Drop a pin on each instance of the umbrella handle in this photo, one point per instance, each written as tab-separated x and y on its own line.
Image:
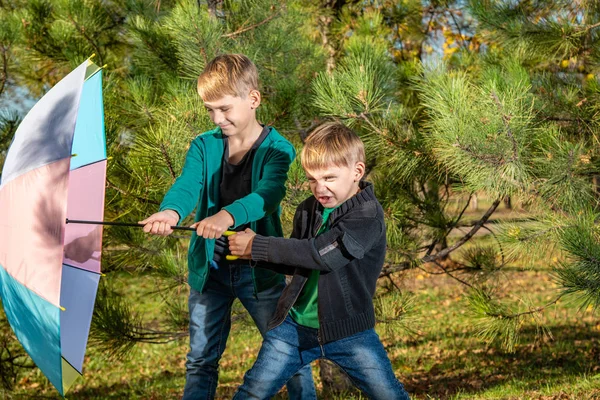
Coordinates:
230	257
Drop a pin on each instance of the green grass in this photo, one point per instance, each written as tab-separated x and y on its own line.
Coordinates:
448	361
444	360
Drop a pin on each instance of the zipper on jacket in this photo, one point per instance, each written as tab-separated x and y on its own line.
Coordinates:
318	224
287	312
320	341
314	234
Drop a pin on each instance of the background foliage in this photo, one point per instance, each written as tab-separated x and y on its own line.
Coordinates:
479	117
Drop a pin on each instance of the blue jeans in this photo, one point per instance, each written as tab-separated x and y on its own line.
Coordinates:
290	347
210	322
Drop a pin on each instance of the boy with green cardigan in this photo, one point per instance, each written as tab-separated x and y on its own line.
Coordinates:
234	176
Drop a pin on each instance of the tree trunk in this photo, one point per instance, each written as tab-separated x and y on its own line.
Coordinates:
334	380
596	181
324	30
474	203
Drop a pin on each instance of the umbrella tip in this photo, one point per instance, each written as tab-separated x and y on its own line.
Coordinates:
62	308
93	55
104	66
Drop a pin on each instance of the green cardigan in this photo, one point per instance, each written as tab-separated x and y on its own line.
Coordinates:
198	187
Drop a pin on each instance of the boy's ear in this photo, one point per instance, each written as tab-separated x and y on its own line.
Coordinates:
359	171
255	98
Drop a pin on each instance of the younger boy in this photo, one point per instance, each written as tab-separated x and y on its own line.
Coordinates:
335	254
234	175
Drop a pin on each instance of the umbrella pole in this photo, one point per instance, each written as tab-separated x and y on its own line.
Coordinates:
78	221
183	228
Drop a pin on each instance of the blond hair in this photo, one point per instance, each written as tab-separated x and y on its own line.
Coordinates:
227	74
330	144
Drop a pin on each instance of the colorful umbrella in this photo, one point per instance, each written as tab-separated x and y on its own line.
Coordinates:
49	271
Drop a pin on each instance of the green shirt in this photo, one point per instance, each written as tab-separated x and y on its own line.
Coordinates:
306	309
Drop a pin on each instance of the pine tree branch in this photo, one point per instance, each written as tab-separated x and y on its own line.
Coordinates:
464	239
590	27
499	244
566	119
391	268
167	159
81	30
571	164
537	234
454	223
364	117
276	117
535	310
146	111
487	158
204	56
506	120
461	267
445	270
498	221
154	49
303	132
388	275
126	194
451	226
253	26
146	335
462	42
431	11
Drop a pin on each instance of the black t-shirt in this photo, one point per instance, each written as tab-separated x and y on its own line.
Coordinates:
236	182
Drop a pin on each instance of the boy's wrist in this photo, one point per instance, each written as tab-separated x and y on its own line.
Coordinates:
260	248
174	213
237	212
227	215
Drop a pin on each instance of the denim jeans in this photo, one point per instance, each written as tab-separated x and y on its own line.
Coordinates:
290	347
210	322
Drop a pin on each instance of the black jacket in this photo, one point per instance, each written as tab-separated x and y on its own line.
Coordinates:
349	256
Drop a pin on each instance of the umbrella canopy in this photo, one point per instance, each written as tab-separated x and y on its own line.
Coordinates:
49	270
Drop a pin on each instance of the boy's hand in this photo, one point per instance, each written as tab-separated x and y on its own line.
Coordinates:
214	226
240	244
161	222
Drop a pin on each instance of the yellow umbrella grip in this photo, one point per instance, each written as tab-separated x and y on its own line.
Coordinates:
230	257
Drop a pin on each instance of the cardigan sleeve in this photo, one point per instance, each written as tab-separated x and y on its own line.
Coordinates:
296	233
183	195
270	189
350	238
